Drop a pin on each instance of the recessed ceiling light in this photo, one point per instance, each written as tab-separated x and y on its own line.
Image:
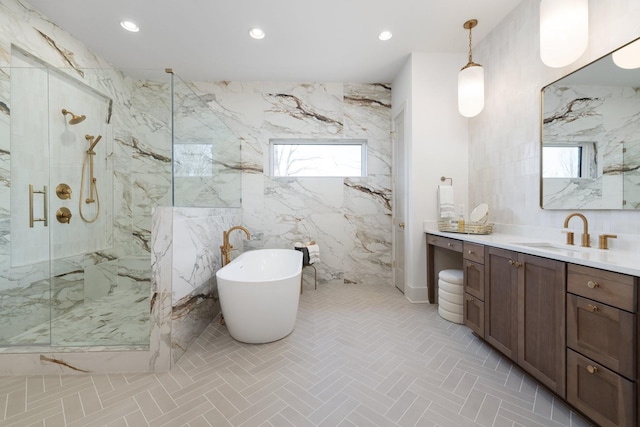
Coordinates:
129	26
385	35
256	33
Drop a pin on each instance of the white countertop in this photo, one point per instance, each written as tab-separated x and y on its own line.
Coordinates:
626	262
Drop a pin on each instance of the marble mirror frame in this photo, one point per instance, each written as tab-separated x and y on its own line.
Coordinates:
605	148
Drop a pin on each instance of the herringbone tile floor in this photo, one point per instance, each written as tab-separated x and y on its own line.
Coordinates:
361	355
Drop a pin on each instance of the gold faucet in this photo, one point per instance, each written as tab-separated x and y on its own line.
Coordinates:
226	246
585	229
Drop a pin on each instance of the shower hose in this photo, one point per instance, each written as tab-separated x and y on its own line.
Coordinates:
91	184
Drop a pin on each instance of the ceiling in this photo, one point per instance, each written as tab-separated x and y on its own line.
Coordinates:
323	41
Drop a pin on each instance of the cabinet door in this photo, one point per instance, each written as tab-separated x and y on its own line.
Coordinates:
474	314
604	396
542	320
500	301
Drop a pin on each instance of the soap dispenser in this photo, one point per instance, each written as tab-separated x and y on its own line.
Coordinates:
461	220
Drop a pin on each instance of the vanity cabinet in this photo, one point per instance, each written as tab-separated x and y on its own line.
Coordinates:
602	362
573	328
542	320
501	301
473	272
525	313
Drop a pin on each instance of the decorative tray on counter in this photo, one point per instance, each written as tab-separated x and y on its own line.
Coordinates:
469	227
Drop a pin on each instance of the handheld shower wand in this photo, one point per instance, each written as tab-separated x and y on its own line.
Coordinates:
93	189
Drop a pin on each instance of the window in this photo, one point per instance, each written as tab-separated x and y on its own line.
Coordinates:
318	157
569	160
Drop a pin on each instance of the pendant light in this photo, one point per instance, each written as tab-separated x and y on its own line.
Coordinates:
470	82
564	31
628	57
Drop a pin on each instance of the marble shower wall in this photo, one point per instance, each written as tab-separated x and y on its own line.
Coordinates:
350	219
185	258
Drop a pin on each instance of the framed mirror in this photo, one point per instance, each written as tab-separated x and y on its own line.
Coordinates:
590	135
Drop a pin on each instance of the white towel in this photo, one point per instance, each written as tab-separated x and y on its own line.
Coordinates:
446	202
314	253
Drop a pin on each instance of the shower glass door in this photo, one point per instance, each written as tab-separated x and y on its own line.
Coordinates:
25	282
67	279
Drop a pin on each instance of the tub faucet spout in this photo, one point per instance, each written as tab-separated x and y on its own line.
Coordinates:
226	246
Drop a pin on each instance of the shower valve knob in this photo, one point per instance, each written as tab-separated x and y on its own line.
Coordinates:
63	215
63	191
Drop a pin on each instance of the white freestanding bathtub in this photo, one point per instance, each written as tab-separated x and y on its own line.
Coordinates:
259	293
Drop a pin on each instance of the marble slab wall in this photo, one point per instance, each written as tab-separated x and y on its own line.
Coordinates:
195	242
349	218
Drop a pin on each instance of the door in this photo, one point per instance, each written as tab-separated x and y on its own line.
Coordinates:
25	279
57	261
399	200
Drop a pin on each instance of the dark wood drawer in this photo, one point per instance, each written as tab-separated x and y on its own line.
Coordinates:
445	242
474	279
614	289
473	252
603	333
474	314
604	396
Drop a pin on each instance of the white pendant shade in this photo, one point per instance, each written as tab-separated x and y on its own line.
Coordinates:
564	31
628	57
471	90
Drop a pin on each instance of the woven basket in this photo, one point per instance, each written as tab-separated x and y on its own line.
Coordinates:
469	227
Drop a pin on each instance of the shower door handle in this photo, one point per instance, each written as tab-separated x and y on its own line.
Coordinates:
45	217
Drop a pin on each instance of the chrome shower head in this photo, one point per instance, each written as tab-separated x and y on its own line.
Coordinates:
74	119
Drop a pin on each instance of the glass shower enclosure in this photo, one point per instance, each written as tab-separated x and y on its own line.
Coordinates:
84	159
85	156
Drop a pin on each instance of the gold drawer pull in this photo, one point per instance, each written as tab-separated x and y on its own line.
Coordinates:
516	264
469	265
450	244
592	308
592	369
592	285
471	300
470	252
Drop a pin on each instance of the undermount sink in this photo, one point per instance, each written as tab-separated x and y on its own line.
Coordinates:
554	246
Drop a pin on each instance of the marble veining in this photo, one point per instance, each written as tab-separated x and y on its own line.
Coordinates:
348	217
572	116
66	55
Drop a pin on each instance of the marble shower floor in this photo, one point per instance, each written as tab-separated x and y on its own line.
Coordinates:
361	355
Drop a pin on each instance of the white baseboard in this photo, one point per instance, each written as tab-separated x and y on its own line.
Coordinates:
417	295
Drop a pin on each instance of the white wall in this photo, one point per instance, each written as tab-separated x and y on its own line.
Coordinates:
437	138
504	145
